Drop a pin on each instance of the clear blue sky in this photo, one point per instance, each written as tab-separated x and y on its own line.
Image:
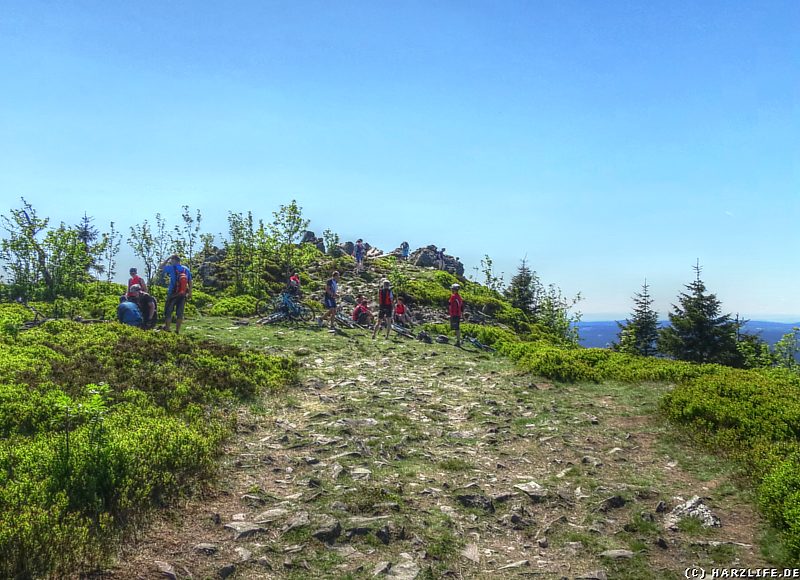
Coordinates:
605	141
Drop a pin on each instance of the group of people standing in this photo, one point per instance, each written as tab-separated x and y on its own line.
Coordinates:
138	308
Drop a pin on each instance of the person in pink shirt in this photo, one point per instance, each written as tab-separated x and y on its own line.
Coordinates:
136	279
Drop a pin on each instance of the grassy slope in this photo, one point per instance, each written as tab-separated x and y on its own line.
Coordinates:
431	423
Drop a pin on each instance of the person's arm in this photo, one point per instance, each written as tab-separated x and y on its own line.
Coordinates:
189	285
142	284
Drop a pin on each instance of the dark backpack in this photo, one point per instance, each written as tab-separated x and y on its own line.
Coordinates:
424	337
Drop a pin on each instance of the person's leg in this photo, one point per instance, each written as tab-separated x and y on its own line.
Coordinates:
458	332
377	324
180	304
388	324
169	305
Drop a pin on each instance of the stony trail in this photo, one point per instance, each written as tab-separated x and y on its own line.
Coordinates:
399	459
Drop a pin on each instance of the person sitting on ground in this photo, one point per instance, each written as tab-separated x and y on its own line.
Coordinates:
293	289
329	301
147	306
404	251
178	292
136	279
456	311
128	312
362	314
385	307
401	313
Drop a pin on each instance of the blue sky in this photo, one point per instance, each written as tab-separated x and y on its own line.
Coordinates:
605	141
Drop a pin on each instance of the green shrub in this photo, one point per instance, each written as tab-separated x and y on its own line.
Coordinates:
236	306
101	422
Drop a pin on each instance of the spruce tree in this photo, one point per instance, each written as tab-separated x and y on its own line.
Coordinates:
639	334
697	331
525	290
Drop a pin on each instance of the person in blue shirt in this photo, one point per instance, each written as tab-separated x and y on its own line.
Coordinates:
129	313
404	251
358	251
329	300
180	290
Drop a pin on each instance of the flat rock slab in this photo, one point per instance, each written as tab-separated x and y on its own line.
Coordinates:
271	516
593	575
207	549
407	570
617	554
533	490
244	529
517	564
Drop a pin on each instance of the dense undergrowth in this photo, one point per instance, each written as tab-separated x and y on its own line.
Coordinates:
101	422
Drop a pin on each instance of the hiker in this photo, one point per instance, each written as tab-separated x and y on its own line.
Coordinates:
179	290
440	259
128	312
331	290
293	289
404	251
136	279
456	311
147	306
401	312
385	307
358	252
362	314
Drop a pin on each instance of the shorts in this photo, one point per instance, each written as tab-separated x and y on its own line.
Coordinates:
385	311
455	322
329	302
177	302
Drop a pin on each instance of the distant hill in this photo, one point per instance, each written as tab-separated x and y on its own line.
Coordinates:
602	333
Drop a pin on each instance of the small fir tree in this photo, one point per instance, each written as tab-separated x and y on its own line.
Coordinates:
698	332
525	290
639	334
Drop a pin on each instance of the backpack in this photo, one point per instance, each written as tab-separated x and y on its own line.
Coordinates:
182	281
385	297
424	337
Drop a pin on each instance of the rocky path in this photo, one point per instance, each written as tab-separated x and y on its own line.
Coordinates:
398	459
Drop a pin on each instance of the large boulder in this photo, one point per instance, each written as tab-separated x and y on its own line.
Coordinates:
426	258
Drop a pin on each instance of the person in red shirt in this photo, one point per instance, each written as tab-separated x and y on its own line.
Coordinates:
294	285
456	311
385	308
135	279
401	313
362	314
